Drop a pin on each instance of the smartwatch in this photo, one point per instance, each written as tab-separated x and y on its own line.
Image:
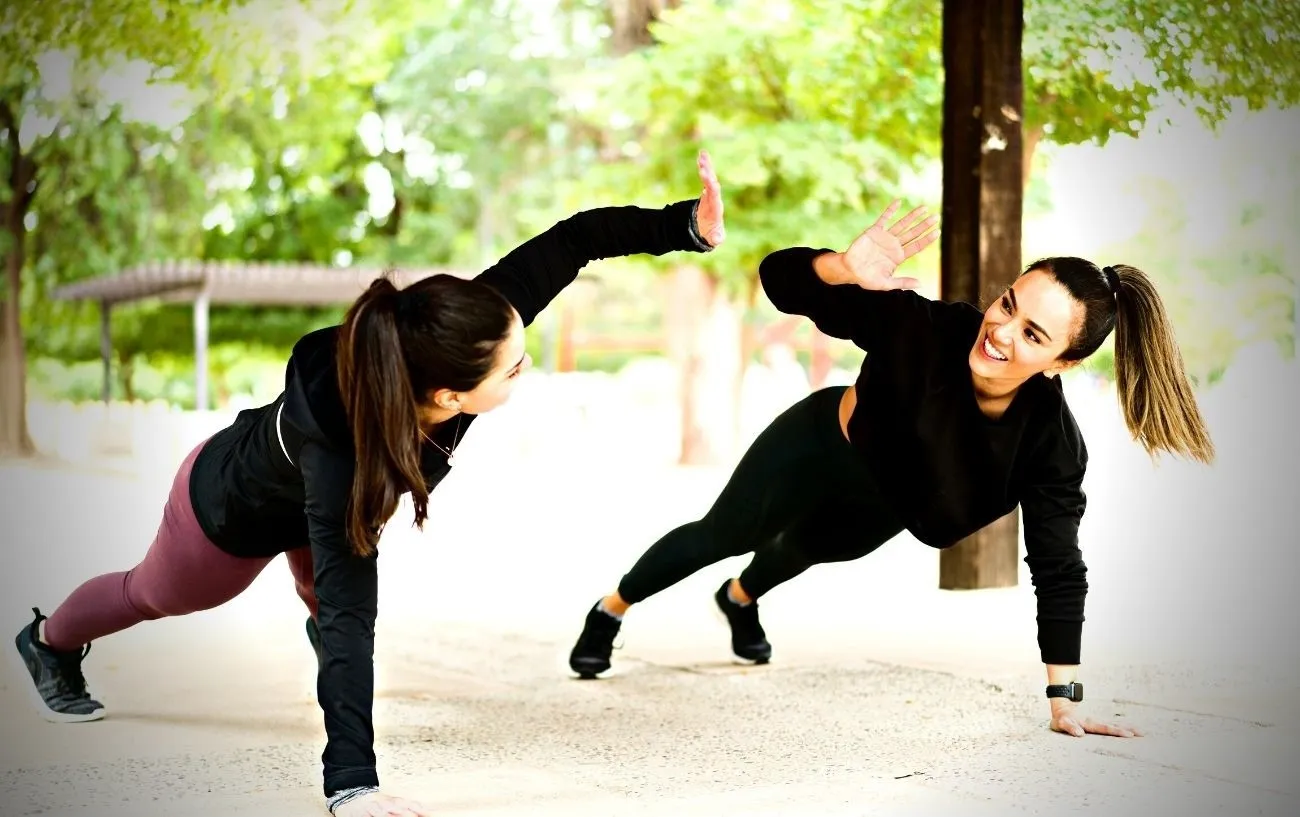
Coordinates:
1072	691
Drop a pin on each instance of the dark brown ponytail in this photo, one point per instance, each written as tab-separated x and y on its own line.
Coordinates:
395	348
381	407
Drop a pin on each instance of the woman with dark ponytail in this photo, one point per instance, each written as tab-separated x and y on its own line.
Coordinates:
372	410
956	418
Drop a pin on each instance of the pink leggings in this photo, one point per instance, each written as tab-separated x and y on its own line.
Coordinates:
182	573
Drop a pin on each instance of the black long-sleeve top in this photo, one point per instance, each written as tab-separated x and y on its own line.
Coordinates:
949	469
279	477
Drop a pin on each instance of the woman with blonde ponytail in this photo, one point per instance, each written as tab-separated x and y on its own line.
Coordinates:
957	417
372	410
1159	406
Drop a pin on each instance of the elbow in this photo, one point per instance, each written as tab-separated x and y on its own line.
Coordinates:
1059	576
774	274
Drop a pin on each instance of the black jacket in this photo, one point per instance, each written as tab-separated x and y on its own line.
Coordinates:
279	477
947	468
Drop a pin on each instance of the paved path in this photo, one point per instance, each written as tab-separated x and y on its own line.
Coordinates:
885	695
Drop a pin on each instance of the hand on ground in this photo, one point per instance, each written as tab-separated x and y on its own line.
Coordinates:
1069	721
378	804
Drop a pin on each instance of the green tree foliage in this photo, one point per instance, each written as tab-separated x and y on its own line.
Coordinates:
267	166
64	66
817	112
476	127
814	113
445	131
1099	68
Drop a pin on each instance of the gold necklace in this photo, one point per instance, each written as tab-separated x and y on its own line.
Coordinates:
451	459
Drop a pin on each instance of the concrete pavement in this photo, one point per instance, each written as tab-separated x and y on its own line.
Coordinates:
885	695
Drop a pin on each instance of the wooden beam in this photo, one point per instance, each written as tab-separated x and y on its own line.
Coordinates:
201	351
983	194
106	347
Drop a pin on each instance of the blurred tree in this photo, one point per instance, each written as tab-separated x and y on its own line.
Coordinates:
64	69
631	22
479	114
472	113
1095	69
818	112
813	112
273	166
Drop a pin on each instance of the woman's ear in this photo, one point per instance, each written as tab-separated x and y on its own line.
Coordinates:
1060	367
447	399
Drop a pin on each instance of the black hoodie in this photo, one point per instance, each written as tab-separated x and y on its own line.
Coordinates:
946	469
279	476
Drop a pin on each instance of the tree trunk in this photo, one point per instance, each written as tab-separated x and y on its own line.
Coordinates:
631	22
984	559
984	159
706	339
126	376
15	439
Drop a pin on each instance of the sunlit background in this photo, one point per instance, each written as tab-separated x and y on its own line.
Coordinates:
440	134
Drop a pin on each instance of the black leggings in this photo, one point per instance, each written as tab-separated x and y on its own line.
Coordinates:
800	496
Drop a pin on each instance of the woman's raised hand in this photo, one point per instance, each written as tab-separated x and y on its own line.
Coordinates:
708	218
873	256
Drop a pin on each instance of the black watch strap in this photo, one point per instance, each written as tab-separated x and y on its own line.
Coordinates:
696	238
1072	691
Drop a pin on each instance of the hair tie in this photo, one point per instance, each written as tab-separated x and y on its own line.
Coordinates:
405	304
1112	279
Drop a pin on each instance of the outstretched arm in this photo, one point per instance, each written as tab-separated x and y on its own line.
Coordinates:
532	274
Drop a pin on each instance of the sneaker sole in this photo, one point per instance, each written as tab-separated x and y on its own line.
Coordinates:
18	665
586	674
721	616
589	674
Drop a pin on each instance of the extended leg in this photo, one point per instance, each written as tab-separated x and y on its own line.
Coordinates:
181	573
774	483
304	581
776	479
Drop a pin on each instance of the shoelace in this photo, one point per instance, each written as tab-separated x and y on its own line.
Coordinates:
70	673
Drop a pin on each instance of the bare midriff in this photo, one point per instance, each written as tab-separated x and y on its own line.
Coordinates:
848	402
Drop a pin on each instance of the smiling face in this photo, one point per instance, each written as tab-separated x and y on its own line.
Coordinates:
1025	331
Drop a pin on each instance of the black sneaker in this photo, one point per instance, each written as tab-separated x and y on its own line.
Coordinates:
748	641
590	656
313	635
58	687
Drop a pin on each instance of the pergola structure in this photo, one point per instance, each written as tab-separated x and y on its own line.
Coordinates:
204	283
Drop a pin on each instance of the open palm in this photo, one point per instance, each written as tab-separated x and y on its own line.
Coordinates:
709	216
875	255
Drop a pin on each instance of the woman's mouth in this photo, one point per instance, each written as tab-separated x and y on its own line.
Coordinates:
992	354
